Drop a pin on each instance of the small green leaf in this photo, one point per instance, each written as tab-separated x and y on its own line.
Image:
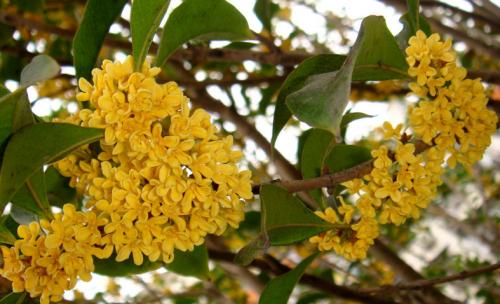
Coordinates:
111	268
316	145
412	22
374	56
210	19
6	236
312	297
22	216
315	65
286	220
58	190
191	263
33	196
350	117
13	298
279	289
41	68
251	250
144	21
342	157
265	10
98	17
380	57
35	145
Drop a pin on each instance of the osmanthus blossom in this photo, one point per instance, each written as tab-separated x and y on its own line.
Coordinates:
451	118
160	180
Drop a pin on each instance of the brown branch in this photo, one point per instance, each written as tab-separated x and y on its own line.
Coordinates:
200	54
270	265
328	180
418	284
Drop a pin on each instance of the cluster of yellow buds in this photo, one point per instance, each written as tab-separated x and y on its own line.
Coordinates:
452	113
161	179
161	176
451	120
51	256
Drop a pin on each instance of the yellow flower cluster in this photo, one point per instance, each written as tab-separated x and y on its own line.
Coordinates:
161	176
161	179
50	257
451	119
452	113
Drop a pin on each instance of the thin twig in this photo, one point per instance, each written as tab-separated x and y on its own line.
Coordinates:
431	282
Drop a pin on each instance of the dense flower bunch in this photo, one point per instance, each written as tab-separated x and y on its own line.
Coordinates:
161	179
50	257
451	121
452	112
161	176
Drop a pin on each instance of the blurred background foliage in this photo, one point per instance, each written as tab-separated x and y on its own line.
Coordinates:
239	82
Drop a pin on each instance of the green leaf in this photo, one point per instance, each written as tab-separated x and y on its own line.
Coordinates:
33	196
279	289
412	22
58	190
251	250
6	236
22	216
265	10
41	68
286	220
380	57
191	263
350	117
98	17
210	19
13	298
315	65
374	56
316	146
35	145
111	268
342	157
312	297
144	21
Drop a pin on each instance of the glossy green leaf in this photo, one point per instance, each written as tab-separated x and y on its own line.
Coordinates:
315	65
6	236
191	263
41	68
58	190
342	157
375	55
412	22
380	57
312	297
144	21
350	117
279	289
36	145
286	220
111	268
98	17
265	10
210	19
316	146
22	216
14	298
33	196
256	247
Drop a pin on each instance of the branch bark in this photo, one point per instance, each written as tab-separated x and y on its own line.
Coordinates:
431	282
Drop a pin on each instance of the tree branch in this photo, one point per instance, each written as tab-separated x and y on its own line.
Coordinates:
431	282
271	265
